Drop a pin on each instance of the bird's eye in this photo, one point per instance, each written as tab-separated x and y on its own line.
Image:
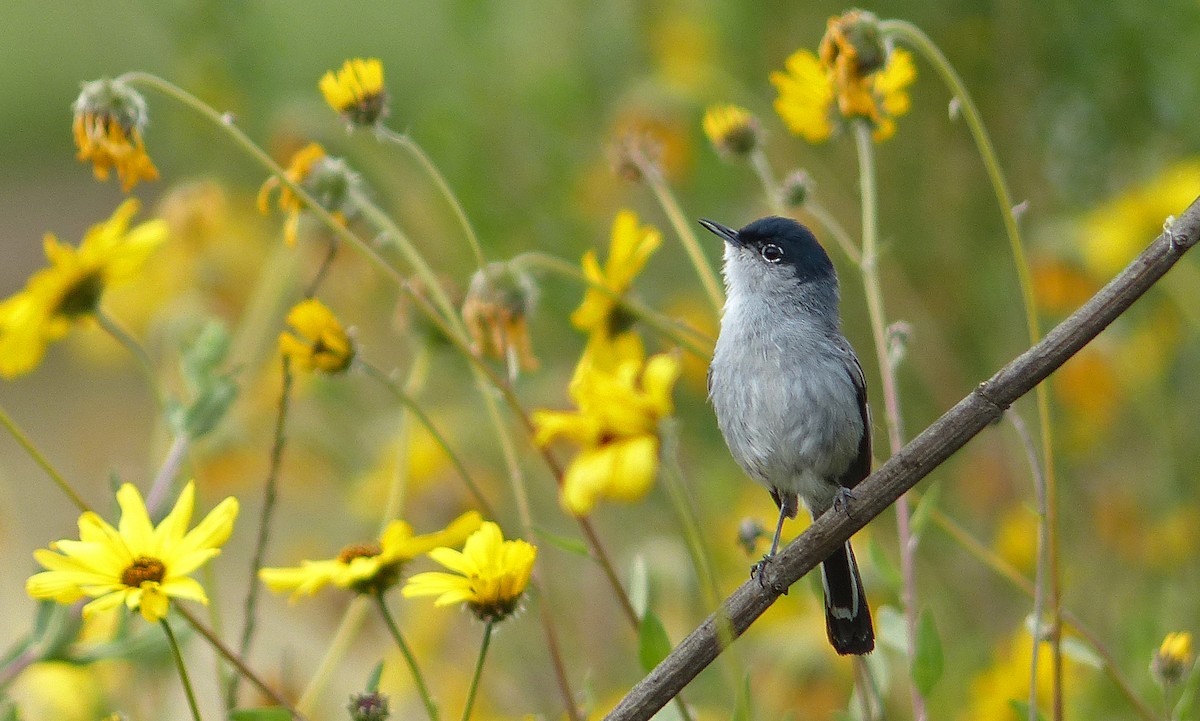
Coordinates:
771	253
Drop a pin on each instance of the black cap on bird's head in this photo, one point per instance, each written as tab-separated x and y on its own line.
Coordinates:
779	241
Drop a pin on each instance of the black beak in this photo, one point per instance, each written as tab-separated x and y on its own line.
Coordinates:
729	235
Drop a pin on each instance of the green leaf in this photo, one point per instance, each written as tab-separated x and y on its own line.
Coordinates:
373	680
927	662
743	708
1076	649
890	629
1021	709
269	713
920	515
653	642
639	586
205	354
884	566
207	410
562	543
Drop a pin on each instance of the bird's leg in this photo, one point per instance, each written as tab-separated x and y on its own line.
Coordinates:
756	571
841	500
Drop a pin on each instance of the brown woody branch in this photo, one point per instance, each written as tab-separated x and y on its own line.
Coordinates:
931	448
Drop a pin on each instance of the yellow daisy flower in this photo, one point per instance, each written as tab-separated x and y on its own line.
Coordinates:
1172	661
356	91
69	290
732	130
621	399
329	180
368	568
136	564
630	247
108	123
317	341
490	574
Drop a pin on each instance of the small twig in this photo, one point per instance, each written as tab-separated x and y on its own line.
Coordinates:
923	454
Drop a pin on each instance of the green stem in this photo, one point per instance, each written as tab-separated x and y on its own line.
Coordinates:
183	674
911	34
762	168
135	349
483	649
836	229
406	142
670	206
891	398
413	407
335	652
690	339
409	658
23	440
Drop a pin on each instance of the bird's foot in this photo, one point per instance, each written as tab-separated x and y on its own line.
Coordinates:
759	571
841	500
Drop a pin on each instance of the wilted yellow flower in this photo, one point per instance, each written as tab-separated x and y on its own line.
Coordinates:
490	574
630	247
317	341
372	567
108	123
496	312
853	68
356	91
732	130
1172	661
329	180
136	564
69	290
621	399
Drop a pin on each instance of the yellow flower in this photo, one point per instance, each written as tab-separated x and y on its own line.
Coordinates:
136	564
490	574
368	568
621	399
496	311
1008	678
108	123
630	248
732	130
317	341
69	290
853	68
356	91
1173	660
329	180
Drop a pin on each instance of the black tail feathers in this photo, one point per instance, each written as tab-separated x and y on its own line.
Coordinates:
847	617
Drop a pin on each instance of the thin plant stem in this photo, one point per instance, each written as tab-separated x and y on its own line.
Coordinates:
135	349
418	374
474	687
423	418
409	658
323	268
39	458
887	372
762	168
179	664
228	654
167	472
267	515
405	141
347	630
693	341
840	235
914	36
658	185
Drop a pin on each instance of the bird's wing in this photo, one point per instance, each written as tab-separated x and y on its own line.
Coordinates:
860	468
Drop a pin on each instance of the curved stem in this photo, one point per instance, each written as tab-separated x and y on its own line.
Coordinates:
887	373
405	141
409	658
914	36
419	413
39	458
762	168
474	687
183	674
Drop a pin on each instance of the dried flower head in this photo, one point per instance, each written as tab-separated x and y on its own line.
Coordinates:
499	302
356	91
634	153
329	180
109	119
370	706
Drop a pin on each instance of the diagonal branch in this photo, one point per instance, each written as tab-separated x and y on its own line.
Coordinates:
931	448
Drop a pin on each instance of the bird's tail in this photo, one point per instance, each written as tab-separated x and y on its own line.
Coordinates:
847	618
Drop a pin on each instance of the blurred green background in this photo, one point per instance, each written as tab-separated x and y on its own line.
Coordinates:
518	103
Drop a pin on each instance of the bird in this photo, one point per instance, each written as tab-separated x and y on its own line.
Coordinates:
790	396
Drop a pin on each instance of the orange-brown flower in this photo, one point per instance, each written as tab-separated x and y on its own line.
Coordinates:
108	124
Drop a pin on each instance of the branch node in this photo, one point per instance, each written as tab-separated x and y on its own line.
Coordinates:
984	391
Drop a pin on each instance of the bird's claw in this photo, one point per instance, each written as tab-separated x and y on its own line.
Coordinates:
758	571
841	500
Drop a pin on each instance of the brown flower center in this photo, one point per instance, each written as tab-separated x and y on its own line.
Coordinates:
82	297
359	550
144	568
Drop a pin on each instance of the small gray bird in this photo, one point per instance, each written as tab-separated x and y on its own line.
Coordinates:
790	395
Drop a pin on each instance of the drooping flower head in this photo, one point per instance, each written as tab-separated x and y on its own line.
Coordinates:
109	119
369	568
69	290
630	247
496	312
329	180
136	564
316	341
621	398
356	91
855	76
490	574
1172	661
732	130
